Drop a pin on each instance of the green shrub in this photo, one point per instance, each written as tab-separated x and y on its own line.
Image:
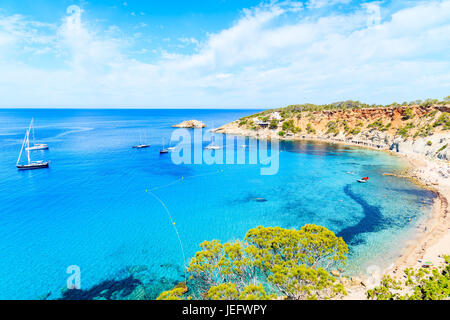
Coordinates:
426	131
333	128
421	284
377	124
289	126
386	127
404	132
444	120
431	114
273	124
310	129
442	149
355	131
269	263
408	114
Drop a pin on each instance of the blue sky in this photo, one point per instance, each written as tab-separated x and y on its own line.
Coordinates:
221	53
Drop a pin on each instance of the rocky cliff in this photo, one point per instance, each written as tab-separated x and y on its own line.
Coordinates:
410	129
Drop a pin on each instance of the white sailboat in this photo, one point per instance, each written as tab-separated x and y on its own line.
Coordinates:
141	145
30	165
213	146
163	150
36	146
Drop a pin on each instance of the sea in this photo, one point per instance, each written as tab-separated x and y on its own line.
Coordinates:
118	219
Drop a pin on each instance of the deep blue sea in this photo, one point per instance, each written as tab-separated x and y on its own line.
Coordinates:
91	208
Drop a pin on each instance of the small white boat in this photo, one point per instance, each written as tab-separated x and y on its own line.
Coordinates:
36	146
30	165
212	147
362	181
142	146
163	150
171	149
34	165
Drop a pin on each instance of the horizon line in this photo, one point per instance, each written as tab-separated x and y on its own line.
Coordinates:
130	108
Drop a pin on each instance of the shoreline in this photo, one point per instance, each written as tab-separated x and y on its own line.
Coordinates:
432	237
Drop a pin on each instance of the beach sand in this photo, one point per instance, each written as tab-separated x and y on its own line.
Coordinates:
434	237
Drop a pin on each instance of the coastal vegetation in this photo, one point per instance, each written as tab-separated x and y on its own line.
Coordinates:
290	117
378	126
273	124
351	104
271	263
421	284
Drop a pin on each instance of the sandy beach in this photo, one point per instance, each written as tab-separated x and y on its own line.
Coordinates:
434	234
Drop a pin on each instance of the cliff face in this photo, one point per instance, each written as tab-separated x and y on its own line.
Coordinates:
413	129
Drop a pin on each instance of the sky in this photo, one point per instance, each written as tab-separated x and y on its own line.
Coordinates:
221	53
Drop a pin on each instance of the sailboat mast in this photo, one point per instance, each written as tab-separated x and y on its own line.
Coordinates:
28	146
32	121
21	150
28	140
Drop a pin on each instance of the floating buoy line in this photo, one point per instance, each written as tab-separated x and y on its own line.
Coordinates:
172	221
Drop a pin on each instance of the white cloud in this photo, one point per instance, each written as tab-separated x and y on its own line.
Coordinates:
15	30
263	60
315	4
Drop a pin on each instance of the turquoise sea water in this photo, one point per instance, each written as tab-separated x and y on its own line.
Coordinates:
91	208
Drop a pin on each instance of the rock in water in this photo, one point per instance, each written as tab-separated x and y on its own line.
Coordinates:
138	294
191	124
137	269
